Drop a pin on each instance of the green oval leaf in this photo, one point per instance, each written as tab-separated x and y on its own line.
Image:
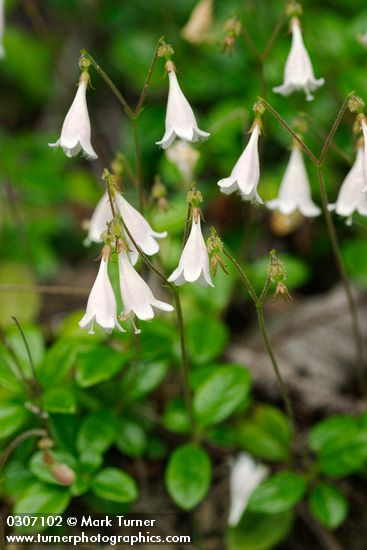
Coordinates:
259	531
206	338
12	417
188	475
328	505
131	438
277	494
97	364
267	434
116	485
221	394
40	498
59	400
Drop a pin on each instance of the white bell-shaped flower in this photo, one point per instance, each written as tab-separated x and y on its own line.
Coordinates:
136	295
196	29
185	157
245	175
98	222
141	231
295	192
180	118
76	132
298	72
101	306
351	197
194	262
2	27
245	476
364	130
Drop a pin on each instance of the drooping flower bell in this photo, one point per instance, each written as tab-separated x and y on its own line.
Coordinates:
136	295
101	306
76	132
196	29
246	172
295	192
141	231
98	222
364	130
298	72
194	262
245	476
180	118
185	157
351	197
2	26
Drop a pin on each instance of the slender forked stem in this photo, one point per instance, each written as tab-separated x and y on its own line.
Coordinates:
148	78
281	120
109	83
185	365
331	229
344	278
17	441
259	304
29	355
334	128
138	166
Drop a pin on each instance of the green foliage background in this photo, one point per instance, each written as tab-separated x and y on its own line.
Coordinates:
101	419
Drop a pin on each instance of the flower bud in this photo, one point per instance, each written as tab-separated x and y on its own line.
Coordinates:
355	104
165	50
276	268
293	8
194	197
84	63
62	473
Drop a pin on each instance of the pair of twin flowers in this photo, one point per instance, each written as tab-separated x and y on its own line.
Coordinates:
124	229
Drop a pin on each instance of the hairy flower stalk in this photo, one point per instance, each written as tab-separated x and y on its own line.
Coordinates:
351	197
136	295
101	306
295	192
76	132
298	72
180	118
246	475
245	175
194	262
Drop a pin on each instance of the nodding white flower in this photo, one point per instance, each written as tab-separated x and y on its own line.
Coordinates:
75	132
2	25
245	476
246	172
98	222
194	262
101	306
180	118
295	192
184	157
196	29
364	130
141	231
363	38
136	295
298	72
351	197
